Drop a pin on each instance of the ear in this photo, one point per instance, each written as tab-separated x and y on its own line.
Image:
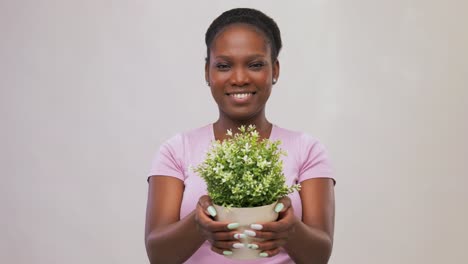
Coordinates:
207	67
276	70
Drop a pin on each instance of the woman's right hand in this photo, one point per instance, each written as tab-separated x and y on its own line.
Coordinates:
223	236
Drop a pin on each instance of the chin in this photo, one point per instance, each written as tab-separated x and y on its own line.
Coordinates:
241	116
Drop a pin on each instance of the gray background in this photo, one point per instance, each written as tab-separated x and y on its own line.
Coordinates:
89	89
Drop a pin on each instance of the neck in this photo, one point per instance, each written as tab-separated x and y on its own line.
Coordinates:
263	126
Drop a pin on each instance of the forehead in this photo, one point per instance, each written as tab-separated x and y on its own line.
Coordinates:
240	39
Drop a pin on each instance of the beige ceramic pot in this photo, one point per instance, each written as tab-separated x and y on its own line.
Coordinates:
245	217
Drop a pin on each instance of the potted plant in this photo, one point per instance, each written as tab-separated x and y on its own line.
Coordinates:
244	178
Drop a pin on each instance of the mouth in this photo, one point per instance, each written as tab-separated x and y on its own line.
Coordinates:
240	95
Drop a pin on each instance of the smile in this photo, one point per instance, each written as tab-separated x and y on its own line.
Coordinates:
241	97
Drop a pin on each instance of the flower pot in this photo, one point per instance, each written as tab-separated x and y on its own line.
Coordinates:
246	216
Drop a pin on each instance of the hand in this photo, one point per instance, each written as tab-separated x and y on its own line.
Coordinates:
275	234
222	235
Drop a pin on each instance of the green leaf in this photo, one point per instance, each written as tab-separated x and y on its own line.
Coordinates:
243	171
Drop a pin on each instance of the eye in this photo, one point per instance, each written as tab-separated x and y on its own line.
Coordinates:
222	66
257	65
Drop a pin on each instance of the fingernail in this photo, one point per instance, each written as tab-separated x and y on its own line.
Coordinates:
238	245
239	236
211	210
279	207
250	233
227	253
233	225
256	226
263	255
252	246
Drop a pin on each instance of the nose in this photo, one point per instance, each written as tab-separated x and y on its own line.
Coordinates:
239	77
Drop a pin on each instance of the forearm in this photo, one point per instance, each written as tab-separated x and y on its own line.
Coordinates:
174	243
309	245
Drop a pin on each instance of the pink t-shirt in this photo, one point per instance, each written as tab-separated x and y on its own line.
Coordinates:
306	158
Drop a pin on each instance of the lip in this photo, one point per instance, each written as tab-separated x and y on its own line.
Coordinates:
241	100
243	92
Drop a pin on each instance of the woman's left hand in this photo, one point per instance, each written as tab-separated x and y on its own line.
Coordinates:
275	234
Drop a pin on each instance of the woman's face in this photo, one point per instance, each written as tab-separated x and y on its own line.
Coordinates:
240	72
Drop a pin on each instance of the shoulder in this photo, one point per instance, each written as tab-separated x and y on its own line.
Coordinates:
184	138
303	146
309	153
295	138
175	152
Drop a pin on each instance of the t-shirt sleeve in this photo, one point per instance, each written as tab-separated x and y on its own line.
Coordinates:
168	159
315	160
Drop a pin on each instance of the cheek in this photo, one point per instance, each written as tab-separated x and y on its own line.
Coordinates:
217	93
213	90
264	78
217	78
265	74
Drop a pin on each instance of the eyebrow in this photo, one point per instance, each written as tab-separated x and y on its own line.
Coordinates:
251	57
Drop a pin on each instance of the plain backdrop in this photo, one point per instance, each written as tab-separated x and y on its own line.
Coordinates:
90	89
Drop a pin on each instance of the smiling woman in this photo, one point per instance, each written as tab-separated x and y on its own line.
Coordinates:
241	67
240	72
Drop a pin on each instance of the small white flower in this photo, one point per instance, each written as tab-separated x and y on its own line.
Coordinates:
247	147
242	157
254	133
262	164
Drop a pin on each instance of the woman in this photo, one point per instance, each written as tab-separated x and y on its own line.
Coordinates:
241	67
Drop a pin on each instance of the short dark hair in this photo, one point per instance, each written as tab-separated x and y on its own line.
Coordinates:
250	17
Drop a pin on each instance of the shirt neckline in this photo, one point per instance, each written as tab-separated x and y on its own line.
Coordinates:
272	133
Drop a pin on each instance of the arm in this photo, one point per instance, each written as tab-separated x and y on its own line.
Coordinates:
309	240
169	239
312	239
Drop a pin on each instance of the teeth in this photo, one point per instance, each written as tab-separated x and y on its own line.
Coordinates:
241	95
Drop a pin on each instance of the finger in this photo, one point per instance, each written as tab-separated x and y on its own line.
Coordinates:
224	245
269	253
228	236
225	252
213	226
221	236
267	235
285	209
285	223
267	244
283	204
224	237
277	226
207	205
